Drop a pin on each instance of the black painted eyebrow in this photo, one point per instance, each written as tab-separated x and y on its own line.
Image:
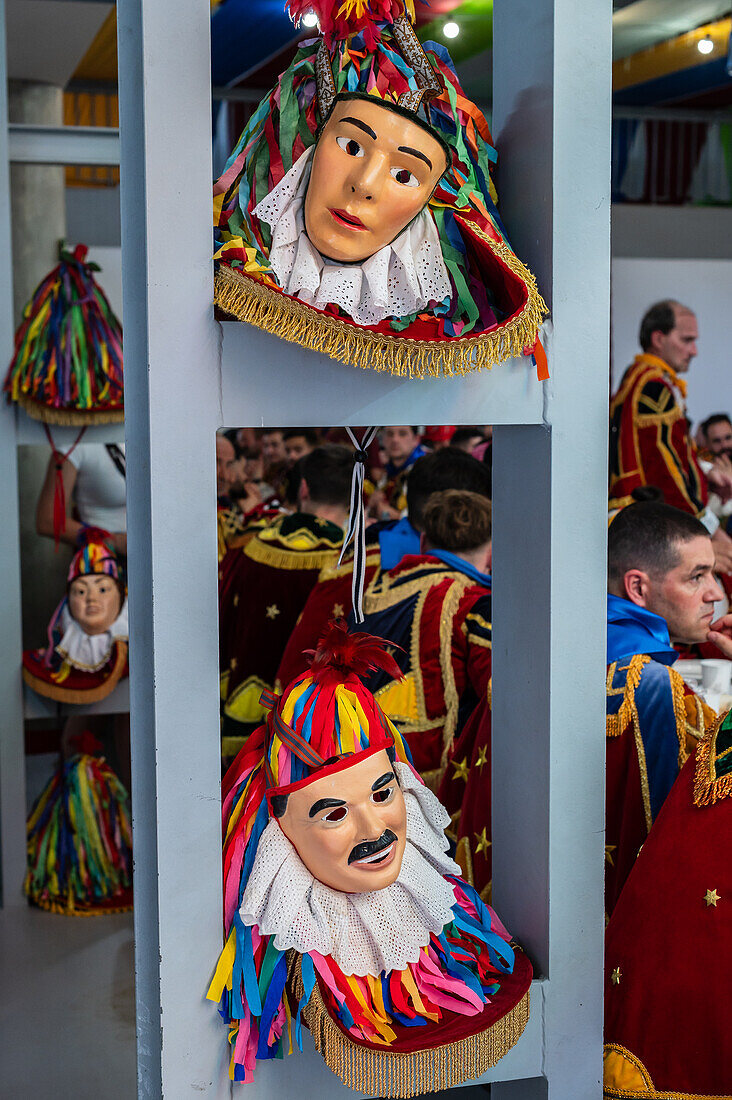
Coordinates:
416	153
325	804
361	125
382	781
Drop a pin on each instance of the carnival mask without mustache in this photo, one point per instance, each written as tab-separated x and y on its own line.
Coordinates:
94	602
373	171
350	827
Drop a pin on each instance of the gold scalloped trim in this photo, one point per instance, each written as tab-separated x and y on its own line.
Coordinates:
708	786
247	300
76	695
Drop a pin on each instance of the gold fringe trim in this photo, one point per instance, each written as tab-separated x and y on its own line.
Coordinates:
708	786
64	909
247	300
91	695
385	1074
616	723
70	418
278	558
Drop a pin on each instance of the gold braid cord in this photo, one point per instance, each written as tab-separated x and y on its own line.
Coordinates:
708	786
381	1073
638	1084
247	300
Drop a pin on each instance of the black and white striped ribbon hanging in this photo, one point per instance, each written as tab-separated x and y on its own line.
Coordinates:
356	532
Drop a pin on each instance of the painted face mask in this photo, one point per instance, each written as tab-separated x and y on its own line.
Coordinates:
343	907
359	197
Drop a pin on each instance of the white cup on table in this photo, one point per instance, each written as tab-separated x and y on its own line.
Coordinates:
716	674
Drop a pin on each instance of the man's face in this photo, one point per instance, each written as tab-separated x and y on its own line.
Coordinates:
719	438
273	448
399	443
295	447
350	827
373	171
94	602
685	596
225	459
677	347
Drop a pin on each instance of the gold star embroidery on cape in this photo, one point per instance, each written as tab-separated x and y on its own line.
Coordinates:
461	769
337	611
712	897
482	757
236	600
609	849
321	522
273	611
233	664
616	976
483	842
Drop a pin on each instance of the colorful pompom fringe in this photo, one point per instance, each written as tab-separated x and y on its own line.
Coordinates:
80	841
67	366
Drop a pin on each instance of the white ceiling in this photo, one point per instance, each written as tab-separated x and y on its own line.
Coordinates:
48	38
636	26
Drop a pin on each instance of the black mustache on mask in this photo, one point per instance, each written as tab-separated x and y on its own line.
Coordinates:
371	847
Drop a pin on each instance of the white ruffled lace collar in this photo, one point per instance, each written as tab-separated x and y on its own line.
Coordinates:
90	652
400	279
364	933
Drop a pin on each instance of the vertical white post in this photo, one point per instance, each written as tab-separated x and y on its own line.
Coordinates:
552	120
12	748
172	411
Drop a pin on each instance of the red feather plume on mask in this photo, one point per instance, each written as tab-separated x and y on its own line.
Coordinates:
341	19
339	652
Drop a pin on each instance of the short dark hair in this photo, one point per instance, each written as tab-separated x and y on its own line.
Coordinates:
463	434
646	536
715	418
457	520
327	471
448	468
661	317
270	431
309	435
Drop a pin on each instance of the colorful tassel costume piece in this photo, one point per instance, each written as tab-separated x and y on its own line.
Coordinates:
67	365
369	51
80	841
443	1018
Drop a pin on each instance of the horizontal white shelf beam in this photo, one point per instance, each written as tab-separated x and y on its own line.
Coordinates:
39	706
267	381
89	145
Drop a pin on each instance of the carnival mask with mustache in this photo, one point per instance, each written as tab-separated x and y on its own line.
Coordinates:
350	826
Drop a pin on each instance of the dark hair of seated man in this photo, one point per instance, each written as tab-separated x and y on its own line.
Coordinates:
646	536
457	521
448	468
327	471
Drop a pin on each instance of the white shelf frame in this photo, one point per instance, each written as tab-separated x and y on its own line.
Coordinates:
186	375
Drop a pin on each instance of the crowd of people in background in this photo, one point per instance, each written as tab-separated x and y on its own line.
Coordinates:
283	508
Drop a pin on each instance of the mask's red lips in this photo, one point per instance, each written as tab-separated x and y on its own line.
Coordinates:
346	219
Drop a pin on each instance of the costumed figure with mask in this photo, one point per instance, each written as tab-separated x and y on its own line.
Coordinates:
669	943
356	215
79	830
343	910
86	655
